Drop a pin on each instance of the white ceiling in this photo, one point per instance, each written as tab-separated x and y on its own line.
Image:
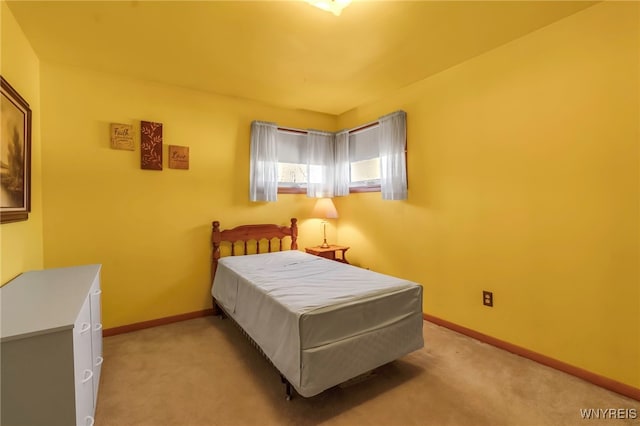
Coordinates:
285	53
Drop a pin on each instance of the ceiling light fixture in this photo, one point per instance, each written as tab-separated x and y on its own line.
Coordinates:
333	6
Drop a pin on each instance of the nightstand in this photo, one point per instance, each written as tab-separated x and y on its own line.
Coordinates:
330	252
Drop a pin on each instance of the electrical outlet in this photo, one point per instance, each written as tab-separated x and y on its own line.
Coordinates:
487	298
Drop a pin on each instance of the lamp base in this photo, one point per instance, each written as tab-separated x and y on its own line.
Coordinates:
324	235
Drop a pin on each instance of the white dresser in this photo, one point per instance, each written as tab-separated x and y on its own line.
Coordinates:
50	347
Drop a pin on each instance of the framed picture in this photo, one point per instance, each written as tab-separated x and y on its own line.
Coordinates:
15	155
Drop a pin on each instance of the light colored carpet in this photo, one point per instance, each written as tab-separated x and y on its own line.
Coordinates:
204	372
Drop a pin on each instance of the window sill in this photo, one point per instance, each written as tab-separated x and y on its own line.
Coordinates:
357	189
285	190
354	190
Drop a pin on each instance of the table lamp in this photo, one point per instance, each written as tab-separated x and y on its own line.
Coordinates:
324	209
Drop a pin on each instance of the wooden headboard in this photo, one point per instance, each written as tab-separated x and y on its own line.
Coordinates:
246	233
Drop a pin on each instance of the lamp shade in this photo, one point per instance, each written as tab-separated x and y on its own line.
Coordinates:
324	209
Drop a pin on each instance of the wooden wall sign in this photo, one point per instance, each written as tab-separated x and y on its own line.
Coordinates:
122	136
150	145
178	157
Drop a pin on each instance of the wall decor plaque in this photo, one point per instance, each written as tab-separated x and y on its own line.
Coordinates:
178	157
122	136
150	145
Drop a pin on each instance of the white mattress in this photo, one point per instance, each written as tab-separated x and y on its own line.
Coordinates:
312	316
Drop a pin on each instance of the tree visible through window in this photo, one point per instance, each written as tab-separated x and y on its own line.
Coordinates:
292	174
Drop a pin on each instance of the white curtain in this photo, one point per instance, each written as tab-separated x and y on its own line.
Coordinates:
393	168
342	178
263	166
320	164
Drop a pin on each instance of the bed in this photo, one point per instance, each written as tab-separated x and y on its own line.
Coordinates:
319	322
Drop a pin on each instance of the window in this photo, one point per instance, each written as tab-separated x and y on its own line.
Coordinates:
370	158
305	158
292	161
364	159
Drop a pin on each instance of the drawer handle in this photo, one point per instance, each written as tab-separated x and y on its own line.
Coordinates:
99	361
89	421
88	376
98	327
97	292
85	327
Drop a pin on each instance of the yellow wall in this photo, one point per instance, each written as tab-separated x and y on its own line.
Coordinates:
150	229
523	180
21	242
523	175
